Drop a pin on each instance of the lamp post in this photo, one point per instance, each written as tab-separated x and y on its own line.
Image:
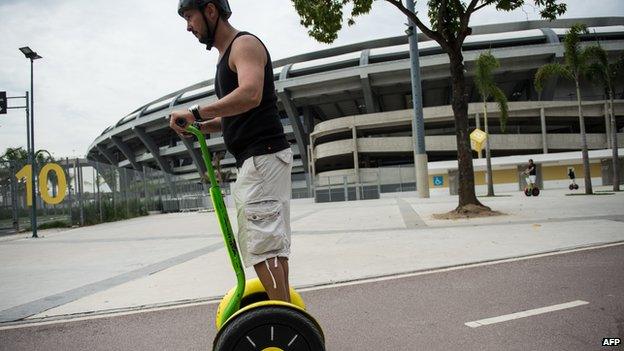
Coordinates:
31	153
418	123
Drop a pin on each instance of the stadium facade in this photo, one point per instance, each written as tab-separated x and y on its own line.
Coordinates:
347	110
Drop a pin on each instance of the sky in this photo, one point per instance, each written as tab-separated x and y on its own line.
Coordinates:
104	59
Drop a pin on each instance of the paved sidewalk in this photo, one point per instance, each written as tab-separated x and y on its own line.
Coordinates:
169	258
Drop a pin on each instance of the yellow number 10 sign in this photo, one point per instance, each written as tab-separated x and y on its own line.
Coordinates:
26	172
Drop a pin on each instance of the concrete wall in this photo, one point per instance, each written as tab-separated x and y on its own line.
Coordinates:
607	170
506	179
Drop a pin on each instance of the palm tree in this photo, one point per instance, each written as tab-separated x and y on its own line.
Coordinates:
574	67
484	80
606	74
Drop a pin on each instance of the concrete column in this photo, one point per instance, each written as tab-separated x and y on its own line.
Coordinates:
544	130
418	122
312	167
356	163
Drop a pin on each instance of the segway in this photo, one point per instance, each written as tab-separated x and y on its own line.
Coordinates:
531	190
246	319
572	176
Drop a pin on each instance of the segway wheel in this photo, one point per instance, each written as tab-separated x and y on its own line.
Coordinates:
270	327
527	192
536	191
575	186
571	187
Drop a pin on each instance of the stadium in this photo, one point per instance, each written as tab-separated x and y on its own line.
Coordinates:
347	112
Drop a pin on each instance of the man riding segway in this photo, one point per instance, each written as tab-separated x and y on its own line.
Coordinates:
247	114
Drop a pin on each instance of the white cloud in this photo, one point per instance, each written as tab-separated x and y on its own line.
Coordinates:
104	59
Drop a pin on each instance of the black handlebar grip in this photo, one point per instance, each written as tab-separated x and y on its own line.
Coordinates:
181	122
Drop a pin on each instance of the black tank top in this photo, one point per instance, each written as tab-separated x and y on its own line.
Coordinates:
259	130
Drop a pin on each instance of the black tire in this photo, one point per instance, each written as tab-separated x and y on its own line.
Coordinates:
571	187
536	191
527	192
575	186
270	326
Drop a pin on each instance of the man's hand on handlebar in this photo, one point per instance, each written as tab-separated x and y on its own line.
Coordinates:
178	120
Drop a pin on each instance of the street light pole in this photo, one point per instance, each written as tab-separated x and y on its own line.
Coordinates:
31	155
32	152
418	124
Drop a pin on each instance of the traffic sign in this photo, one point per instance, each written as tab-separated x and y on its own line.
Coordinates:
438	180
3	103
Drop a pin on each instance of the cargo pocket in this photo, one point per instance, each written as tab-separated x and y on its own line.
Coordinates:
265	227
286	156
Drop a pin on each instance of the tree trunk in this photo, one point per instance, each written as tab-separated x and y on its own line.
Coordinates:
466	188
614	145
586	170
488	160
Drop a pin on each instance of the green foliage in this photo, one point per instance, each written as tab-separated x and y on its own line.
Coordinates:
574	56
549	70
53	224
501	99
325	17
449	18
14	154
484	80
111	212
600	71
445	17
43	156
576	59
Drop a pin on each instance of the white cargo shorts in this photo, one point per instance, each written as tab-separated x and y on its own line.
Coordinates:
262	196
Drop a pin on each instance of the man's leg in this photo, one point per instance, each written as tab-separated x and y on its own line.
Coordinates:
273	273
284	262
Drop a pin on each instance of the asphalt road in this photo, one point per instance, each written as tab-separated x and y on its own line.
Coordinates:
420	312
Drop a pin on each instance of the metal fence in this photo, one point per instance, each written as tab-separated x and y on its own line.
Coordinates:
83	192
371	183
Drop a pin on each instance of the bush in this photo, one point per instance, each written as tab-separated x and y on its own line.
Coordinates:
53	224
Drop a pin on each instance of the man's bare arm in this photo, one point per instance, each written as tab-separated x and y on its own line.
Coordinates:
248	58
212	126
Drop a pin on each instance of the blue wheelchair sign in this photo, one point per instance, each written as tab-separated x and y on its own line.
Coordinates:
438	180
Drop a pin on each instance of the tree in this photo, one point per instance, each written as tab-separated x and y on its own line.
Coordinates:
449	27
14	154
574	68
606	74
13	158
484	80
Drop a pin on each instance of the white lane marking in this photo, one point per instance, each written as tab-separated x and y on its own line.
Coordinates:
293	340
271	333
110	314
527	313
252	343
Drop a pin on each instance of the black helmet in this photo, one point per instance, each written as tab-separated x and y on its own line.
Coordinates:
223	5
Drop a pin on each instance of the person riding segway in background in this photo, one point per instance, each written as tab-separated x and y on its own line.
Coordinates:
531	179
247	114
572	176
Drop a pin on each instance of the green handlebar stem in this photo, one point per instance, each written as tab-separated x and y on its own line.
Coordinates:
224	223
